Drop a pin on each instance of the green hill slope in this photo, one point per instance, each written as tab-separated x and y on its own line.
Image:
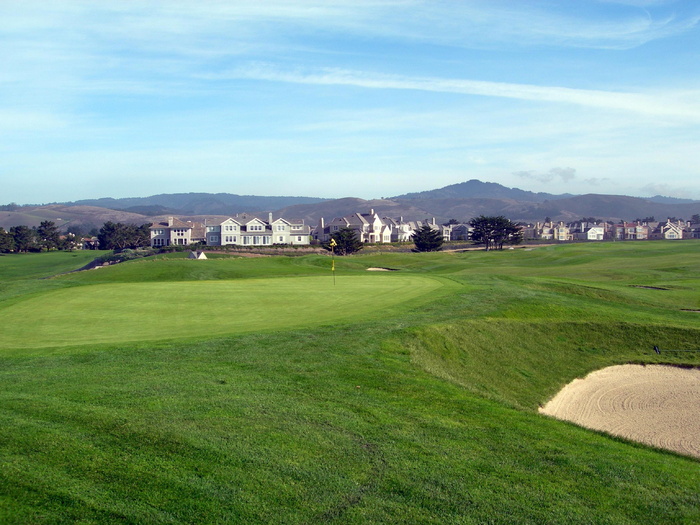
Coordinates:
421	409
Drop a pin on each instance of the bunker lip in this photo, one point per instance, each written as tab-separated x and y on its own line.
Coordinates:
653	404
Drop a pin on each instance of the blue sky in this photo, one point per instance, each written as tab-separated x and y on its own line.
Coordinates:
361	98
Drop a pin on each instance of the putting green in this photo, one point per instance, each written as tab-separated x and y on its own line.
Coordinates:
120	312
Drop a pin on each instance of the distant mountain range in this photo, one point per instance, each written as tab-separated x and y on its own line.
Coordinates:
196	203
458	201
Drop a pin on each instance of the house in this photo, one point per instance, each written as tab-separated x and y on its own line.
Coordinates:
444	229
673	230
641	231
561	232
693	230
544	231
668	230
587	231
90	243
176	232
401	231
369	228
461	232
243	230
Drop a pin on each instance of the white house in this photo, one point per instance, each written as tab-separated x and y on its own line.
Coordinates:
245	230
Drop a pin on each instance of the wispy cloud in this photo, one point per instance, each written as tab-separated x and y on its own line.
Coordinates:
560	174
669	105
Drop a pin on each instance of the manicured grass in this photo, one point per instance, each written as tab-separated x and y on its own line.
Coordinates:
34	265
193	309
419	411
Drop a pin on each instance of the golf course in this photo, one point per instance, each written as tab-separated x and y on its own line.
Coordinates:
272	390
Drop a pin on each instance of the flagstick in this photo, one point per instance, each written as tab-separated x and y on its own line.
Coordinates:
333	263
333	244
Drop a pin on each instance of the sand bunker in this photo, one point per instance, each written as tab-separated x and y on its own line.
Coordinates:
654	404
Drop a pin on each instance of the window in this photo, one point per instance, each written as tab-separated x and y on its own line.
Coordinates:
213	238
299	238
280	238
280	227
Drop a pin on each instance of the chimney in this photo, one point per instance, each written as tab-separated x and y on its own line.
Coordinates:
269	218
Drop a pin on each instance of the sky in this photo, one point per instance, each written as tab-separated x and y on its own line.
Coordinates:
347	98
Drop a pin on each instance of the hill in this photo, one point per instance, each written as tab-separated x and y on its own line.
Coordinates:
199	203
87	217
473	189
458	201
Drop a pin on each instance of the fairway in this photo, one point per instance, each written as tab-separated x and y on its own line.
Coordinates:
123	312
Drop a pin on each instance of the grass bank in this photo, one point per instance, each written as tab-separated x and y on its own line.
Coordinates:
421	411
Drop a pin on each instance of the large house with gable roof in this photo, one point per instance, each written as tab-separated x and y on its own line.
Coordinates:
241	230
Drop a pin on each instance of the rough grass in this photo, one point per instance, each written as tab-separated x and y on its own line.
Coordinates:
422	412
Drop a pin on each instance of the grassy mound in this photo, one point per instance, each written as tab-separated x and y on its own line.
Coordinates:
419	409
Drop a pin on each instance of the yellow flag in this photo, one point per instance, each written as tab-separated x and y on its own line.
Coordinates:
332	244
333	266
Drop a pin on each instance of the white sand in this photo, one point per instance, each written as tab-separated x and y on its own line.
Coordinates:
653	404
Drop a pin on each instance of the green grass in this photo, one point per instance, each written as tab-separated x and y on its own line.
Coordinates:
193	309
416	406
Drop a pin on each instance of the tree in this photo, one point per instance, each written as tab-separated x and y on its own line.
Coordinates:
427	239
69	242
346	242
494	232
7	242
47	235
23	237
695	218
118	236
451	222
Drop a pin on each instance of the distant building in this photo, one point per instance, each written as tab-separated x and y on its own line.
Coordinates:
244	230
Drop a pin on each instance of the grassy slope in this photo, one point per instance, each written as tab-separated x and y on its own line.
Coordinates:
341	425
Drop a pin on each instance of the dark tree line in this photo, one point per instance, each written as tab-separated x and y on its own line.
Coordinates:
25	239
47	237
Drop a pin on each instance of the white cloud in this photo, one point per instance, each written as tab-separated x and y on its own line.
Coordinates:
559	174
667	105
